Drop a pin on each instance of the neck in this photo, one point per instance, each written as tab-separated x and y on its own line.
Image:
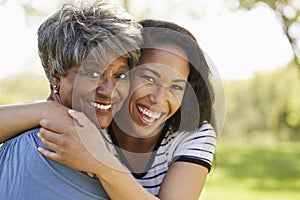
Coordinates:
128	141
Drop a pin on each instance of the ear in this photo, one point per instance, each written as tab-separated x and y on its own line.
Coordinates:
55	87
54	80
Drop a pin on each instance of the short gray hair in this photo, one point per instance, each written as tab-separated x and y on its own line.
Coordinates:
71	33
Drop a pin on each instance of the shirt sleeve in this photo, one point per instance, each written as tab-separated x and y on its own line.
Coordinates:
196	146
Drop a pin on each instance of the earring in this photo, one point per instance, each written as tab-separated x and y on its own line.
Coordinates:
55	89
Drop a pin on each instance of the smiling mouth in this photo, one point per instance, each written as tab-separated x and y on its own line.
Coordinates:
148	115
100	106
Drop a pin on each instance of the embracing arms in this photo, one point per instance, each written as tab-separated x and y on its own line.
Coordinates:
72	146
17	118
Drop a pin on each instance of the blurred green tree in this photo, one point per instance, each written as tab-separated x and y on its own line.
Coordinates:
267	103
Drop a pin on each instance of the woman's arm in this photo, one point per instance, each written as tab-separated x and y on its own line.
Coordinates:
18	118
184	180
83	149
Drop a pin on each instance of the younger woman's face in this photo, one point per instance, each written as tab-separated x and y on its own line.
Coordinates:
157	89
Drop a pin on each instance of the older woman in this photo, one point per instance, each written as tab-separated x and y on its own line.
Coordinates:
86	51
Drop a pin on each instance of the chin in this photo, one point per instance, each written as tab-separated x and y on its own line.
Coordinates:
147	131
103	122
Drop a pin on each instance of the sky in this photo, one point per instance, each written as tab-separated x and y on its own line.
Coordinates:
237	43
242	43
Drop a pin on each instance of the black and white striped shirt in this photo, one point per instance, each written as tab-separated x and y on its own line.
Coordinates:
195	147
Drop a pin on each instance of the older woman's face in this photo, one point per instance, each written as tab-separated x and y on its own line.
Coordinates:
97	91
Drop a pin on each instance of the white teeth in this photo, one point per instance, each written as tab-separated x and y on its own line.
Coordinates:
150	120
152	115
100	106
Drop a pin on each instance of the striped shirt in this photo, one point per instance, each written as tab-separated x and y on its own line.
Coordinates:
195	147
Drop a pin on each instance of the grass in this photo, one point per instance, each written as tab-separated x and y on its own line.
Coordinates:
255	172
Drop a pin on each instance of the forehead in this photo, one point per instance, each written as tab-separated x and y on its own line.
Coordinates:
105	62
168	57
162	52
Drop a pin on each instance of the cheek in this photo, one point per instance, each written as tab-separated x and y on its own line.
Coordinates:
122	90
80	91
66	92
136	82
176	102
134	96
120	95
138	91
140	88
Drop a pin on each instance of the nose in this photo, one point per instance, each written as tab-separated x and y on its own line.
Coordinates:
159	95
105	86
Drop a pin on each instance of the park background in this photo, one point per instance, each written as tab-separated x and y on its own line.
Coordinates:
253	44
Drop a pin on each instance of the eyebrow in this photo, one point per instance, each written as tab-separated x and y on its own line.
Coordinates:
179	80
153	71
157	74
97	66
121	65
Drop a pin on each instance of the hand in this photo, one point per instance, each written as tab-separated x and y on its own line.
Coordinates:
79	146
57	112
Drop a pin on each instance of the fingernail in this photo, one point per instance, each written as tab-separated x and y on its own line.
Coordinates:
42	122
43	140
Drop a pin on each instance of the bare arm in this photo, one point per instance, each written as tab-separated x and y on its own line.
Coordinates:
72	144
182	181
17	118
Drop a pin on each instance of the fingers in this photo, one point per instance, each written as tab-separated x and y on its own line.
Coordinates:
50	139
48	154
53	141
49	135
59	128
81	118
90	174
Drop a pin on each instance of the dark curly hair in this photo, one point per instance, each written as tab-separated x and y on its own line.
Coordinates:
197	104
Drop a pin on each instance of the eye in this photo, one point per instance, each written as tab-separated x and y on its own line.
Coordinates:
148	78
176	87
92	74
121	76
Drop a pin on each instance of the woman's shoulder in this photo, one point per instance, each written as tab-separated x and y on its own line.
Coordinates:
24	136
25	142
196	146
206	128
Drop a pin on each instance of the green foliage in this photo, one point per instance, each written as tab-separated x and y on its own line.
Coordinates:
23	88
293	107
254	172
267	103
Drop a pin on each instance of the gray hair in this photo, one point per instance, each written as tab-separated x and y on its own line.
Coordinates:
71	33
